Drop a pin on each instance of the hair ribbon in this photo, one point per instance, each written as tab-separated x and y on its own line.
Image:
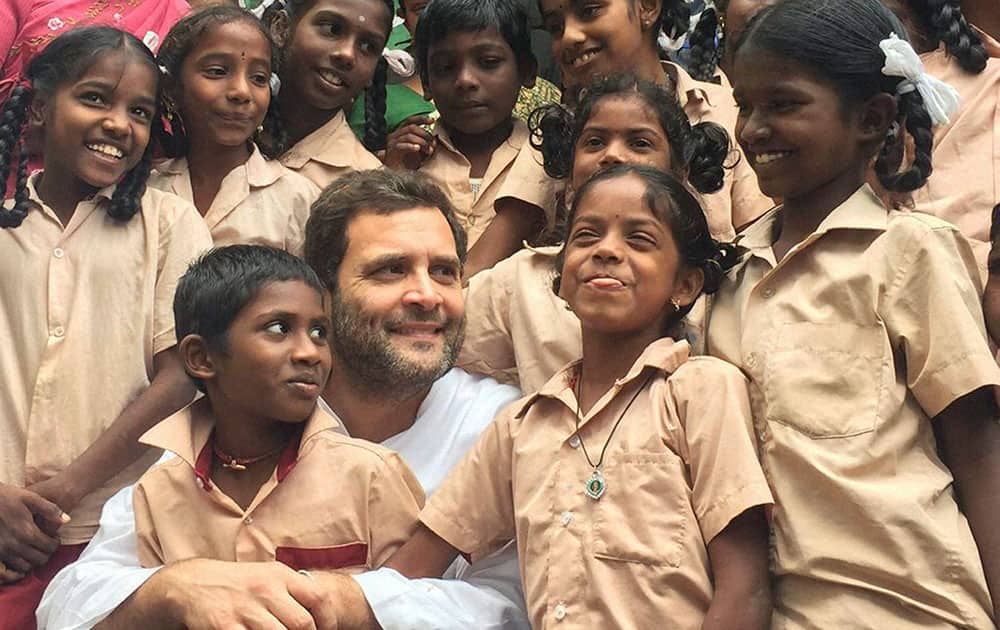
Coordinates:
940	99
400	62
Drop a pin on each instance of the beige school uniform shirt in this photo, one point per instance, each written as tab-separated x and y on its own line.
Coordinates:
514	171
861	335
259	202
85	307
332	502
329	152
965	184
680	466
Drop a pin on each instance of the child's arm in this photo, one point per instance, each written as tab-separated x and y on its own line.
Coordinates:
424	555
969	439
515	221
170	390
742	599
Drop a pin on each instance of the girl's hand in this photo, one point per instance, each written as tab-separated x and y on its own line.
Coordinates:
410	144
25	519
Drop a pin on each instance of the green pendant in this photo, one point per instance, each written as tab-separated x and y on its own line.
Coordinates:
595	485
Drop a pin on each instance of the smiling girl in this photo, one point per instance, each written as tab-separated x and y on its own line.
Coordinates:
630	480
92	259
861	332
331	51
218	69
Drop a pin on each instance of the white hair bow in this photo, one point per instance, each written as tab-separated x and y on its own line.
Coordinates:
940	99
400	62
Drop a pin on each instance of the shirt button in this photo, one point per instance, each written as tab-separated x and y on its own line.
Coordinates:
575	441
768	293
248	520
58	252
58	331
567	517
560	612
751	360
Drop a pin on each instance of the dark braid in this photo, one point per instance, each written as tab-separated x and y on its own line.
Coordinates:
913	114
127	198
944	22
551	129
707	149
375	127
705	48
12	122
273	140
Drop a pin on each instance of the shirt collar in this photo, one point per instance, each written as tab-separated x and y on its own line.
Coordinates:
688	88
331	144
861	211
188	434
518	136
260	171
664	355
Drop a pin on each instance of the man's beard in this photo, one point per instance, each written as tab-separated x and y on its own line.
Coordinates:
373	364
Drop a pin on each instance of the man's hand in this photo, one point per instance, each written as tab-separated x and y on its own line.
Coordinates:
211	594
28	525
344	602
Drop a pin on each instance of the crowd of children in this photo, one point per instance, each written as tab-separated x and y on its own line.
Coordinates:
753	307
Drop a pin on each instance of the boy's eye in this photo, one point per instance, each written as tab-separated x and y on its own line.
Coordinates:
277	328
490	62
318	332
641	143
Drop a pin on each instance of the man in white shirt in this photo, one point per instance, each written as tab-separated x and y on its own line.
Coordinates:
391	250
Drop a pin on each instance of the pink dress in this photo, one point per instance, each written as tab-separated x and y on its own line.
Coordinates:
27	26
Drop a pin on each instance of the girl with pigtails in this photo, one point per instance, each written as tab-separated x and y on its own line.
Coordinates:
217	96
592	38
91	261
861	331
330	51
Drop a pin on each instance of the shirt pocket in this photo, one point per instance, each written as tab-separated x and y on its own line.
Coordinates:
824	380
338	557
643	516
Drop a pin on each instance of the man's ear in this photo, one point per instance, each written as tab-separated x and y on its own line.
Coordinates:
281	27
196	358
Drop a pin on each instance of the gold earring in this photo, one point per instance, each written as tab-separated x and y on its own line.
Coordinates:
675	304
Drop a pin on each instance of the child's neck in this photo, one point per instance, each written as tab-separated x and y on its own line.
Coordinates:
607	358
62	194
208	165
299	118
478	148
801	216
246	438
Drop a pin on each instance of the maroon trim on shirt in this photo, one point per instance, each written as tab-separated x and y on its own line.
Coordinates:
339	557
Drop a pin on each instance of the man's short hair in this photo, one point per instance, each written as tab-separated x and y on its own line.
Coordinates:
381	191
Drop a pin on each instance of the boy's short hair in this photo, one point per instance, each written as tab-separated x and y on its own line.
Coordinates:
217	286
440	18
382	191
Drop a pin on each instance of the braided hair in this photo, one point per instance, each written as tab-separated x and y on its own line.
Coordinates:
943	22
178	44
375	131
65	60
839	41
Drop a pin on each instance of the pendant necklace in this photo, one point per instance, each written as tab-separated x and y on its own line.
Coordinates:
595	485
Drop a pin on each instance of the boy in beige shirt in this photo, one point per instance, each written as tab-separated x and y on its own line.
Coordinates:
262	472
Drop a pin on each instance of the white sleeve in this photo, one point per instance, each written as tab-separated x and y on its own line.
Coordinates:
107	573
486	595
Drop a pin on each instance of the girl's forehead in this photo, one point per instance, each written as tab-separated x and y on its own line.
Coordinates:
235	34
121	69
623	109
